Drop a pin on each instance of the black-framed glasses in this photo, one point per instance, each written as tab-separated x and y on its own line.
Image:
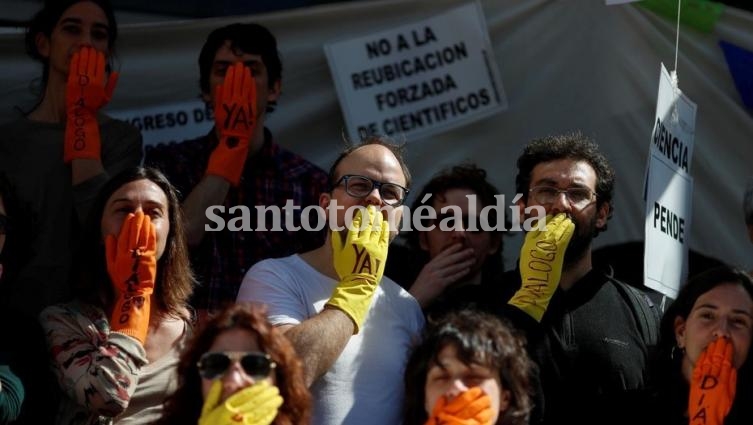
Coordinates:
214	364
578	197
360	187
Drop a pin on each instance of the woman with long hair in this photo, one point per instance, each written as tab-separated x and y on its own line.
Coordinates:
114	349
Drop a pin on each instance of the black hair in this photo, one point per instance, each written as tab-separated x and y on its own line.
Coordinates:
44	22
573	146
479	338
244	38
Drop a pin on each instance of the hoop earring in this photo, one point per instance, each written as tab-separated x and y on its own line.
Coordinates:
676	348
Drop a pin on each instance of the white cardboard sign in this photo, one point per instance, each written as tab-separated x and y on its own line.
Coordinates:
418	79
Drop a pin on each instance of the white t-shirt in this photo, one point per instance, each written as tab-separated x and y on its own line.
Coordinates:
365	384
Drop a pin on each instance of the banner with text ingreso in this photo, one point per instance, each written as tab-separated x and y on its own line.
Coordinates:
418	79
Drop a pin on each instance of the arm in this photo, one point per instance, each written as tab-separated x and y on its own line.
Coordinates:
211	190
11	395
235	122
97	369
320	340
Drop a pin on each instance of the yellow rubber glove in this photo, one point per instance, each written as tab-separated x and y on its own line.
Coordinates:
713	385
541	265
359	263
472	407
254	405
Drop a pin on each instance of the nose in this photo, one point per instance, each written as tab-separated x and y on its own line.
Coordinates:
235	378
374	197
457	387
560	204
722	329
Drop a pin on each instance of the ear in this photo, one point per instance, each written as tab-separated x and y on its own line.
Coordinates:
324	200
274	91
494	245
680	326
504	401
207	98
750	232
43	44
521	203
602	215
422	242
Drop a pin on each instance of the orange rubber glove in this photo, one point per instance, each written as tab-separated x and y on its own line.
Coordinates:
132	265
235	119
85	94
713	385
472	407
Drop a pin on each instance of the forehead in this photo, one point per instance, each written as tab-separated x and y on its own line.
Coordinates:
457	196
374	161
564	173
730	295
85	11
139	190
236	340
226	53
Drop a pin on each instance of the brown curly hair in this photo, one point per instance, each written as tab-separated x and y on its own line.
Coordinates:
184	406
479	338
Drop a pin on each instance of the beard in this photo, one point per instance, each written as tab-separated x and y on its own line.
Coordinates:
580	243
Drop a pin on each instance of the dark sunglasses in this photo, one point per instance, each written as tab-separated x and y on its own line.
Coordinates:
213	365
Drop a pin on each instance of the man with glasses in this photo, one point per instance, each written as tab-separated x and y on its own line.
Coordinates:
352	326
589	333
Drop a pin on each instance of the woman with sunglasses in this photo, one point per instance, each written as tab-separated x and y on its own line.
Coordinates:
470	369
239	369
115	347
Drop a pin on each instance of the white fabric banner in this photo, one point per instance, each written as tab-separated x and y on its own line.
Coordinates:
566	65
417	80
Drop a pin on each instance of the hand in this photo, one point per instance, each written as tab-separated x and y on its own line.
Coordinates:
446	268
254	405
713	384
132	256
235	119
86	93
472	407
132	266
541	259
359	262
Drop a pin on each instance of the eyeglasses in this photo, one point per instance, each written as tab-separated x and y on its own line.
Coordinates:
579	197
360	187
213	365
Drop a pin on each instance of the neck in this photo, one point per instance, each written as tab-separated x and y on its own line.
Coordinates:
52	107
573	272
321	258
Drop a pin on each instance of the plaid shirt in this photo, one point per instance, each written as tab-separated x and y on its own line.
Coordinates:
270	177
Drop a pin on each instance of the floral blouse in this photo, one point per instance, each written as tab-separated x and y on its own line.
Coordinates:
98	370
